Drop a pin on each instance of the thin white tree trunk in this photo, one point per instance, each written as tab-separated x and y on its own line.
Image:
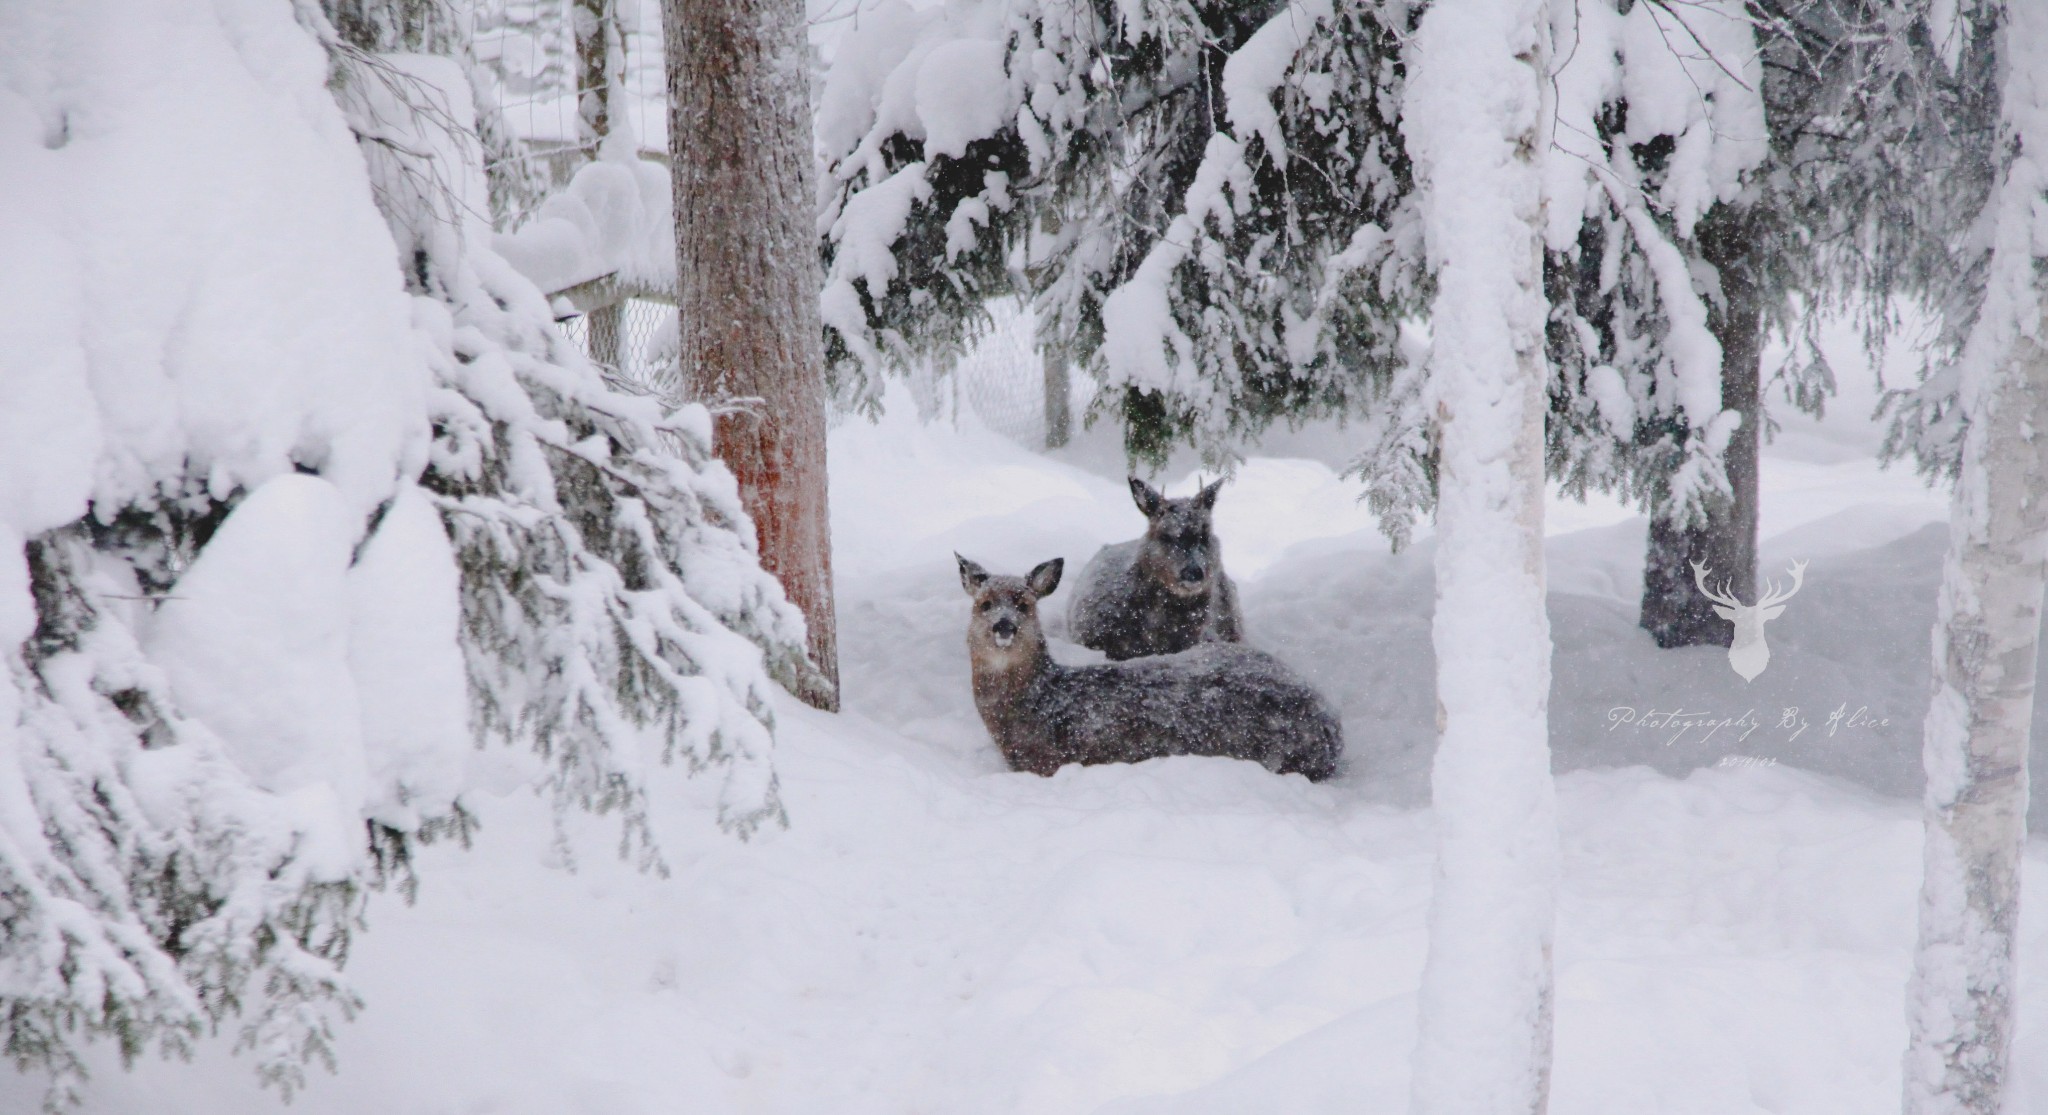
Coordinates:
1477	125
1959	1005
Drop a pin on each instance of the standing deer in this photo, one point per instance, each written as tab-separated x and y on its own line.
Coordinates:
1160	593
1749	654
1217	699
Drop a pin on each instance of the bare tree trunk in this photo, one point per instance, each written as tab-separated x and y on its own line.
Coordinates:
1478	125
1058	389
593	24
604	325
747	283
1674	612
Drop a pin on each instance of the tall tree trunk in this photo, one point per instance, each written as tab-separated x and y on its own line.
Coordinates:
1477	124
1959	1005
1674	612
747	283
1058	419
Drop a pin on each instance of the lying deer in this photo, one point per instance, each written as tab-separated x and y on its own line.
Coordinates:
1217	699
1162	592
1748	653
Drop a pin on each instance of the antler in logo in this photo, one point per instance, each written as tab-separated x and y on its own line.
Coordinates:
1749	654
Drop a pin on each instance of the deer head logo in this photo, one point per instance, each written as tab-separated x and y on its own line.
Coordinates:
1749	654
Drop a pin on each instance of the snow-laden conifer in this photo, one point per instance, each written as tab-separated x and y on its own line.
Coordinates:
1206	203
282	540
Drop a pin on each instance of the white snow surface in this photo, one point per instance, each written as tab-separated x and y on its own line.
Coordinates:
935	933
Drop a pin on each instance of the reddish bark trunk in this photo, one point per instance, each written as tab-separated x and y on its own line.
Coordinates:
748	280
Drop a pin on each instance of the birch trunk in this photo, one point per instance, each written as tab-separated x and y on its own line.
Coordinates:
1477	125
1959	1005
747	283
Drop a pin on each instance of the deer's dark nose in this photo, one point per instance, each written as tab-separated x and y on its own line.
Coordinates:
1005	627
1191	574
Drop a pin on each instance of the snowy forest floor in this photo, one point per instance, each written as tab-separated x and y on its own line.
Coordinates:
934	934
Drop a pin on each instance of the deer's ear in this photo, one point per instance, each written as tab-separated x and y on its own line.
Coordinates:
1725	613
1147	498
1046	577
972	576
1206	498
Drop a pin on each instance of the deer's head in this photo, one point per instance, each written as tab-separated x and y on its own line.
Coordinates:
1748	653
1004	624
1180	551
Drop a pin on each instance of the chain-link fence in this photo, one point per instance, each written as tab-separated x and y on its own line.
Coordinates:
1002	378
635	341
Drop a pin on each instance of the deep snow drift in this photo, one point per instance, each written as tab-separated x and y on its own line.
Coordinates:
936	934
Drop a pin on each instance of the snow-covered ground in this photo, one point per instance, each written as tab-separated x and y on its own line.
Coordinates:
934	934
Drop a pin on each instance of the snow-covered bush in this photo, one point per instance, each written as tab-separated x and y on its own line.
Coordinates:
301	498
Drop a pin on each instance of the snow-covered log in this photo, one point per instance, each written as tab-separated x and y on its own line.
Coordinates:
1477	124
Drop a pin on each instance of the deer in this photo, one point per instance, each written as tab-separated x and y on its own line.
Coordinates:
1223	699
1748	653
1162	592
